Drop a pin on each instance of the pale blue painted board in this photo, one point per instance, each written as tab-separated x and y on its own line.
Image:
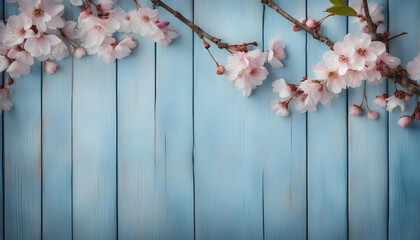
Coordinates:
141	208
368	162
174	124
94	149
57	149
327	144
22	155
285	165
230	141
404	151
1	141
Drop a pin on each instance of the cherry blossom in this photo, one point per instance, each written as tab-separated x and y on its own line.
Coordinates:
393	102
50	67
381	101
5	103
335	81
280	108
284	90
44	13
356	110
375	11
21	65
276	52
413	68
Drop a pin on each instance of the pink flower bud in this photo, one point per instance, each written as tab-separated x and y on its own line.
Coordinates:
10	81
206	45
296	28
405	121
311	23
380	100
50	67
79	52
407	98
303	20
220	70
372	115
162	25
365	30
385	34
356	110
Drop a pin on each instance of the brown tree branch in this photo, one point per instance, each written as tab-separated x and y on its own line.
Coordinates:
371	25
314	33
401	77
200	32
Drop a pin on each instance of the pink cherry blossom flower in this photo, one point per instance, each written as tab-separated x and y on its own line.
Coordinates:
413	68
315	93
76	2
280	108
365	49
168	36
18	28
69	30
79	52
374	9
283	89
394	102
220	70
41	44
21	65
390	61
5	103
50	67
355	78
373	76
335	82
276	52
143	22
111	50
43	13
4	63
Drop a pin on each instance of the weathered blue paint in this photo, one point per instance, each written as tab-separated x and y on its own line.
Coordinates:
368	162
156	146
327	144
404	151
284	182
22	156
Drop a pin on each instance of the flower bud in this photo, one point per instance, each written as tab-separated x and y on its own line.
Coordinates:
10	81
405	121
380	100
372	115
206	45
311	23
79	52
303	20
280	108
385	34
407	98
356	110
220	70
296	28
50	67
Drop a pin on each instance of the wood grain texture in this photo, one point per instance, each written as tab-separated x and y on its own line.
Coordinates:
22	156
368	162
285	165
174	124
94	149
404	151
57	149
230	141
3	75
327	144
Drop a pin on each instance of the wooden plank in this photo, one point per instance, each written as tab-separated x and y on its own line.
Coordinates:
404	151
368	166
285	166
327	144
94	149
230	131
141	208
2	5
22	155
174	125
57	149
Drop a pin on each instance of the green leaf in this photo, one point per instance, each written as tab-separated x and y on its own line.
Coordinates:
338	2
342	10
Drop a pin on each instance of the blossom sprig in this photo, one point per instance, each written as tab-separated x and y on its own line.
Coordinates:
356	60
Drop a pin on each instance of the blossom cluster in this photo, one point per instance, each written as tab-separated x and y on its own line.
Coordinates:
41	33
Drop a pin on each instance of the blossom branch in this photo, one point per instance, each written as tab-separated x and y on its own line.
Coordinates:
371	25
313	32
200	32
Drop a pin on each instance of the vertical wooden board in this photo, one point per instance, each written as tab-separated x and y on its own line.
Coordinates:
57	149
94	149
404	151
3	75
230	142
174	124
22	155
368	161
285	165
141	203
327	143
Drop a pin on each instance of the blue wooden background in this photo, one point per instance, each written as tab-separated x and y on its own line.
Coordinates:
157	146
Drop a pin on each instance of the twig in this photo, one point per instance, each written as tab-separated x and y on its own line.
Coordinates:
200	32
399	35
371	25
314	33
